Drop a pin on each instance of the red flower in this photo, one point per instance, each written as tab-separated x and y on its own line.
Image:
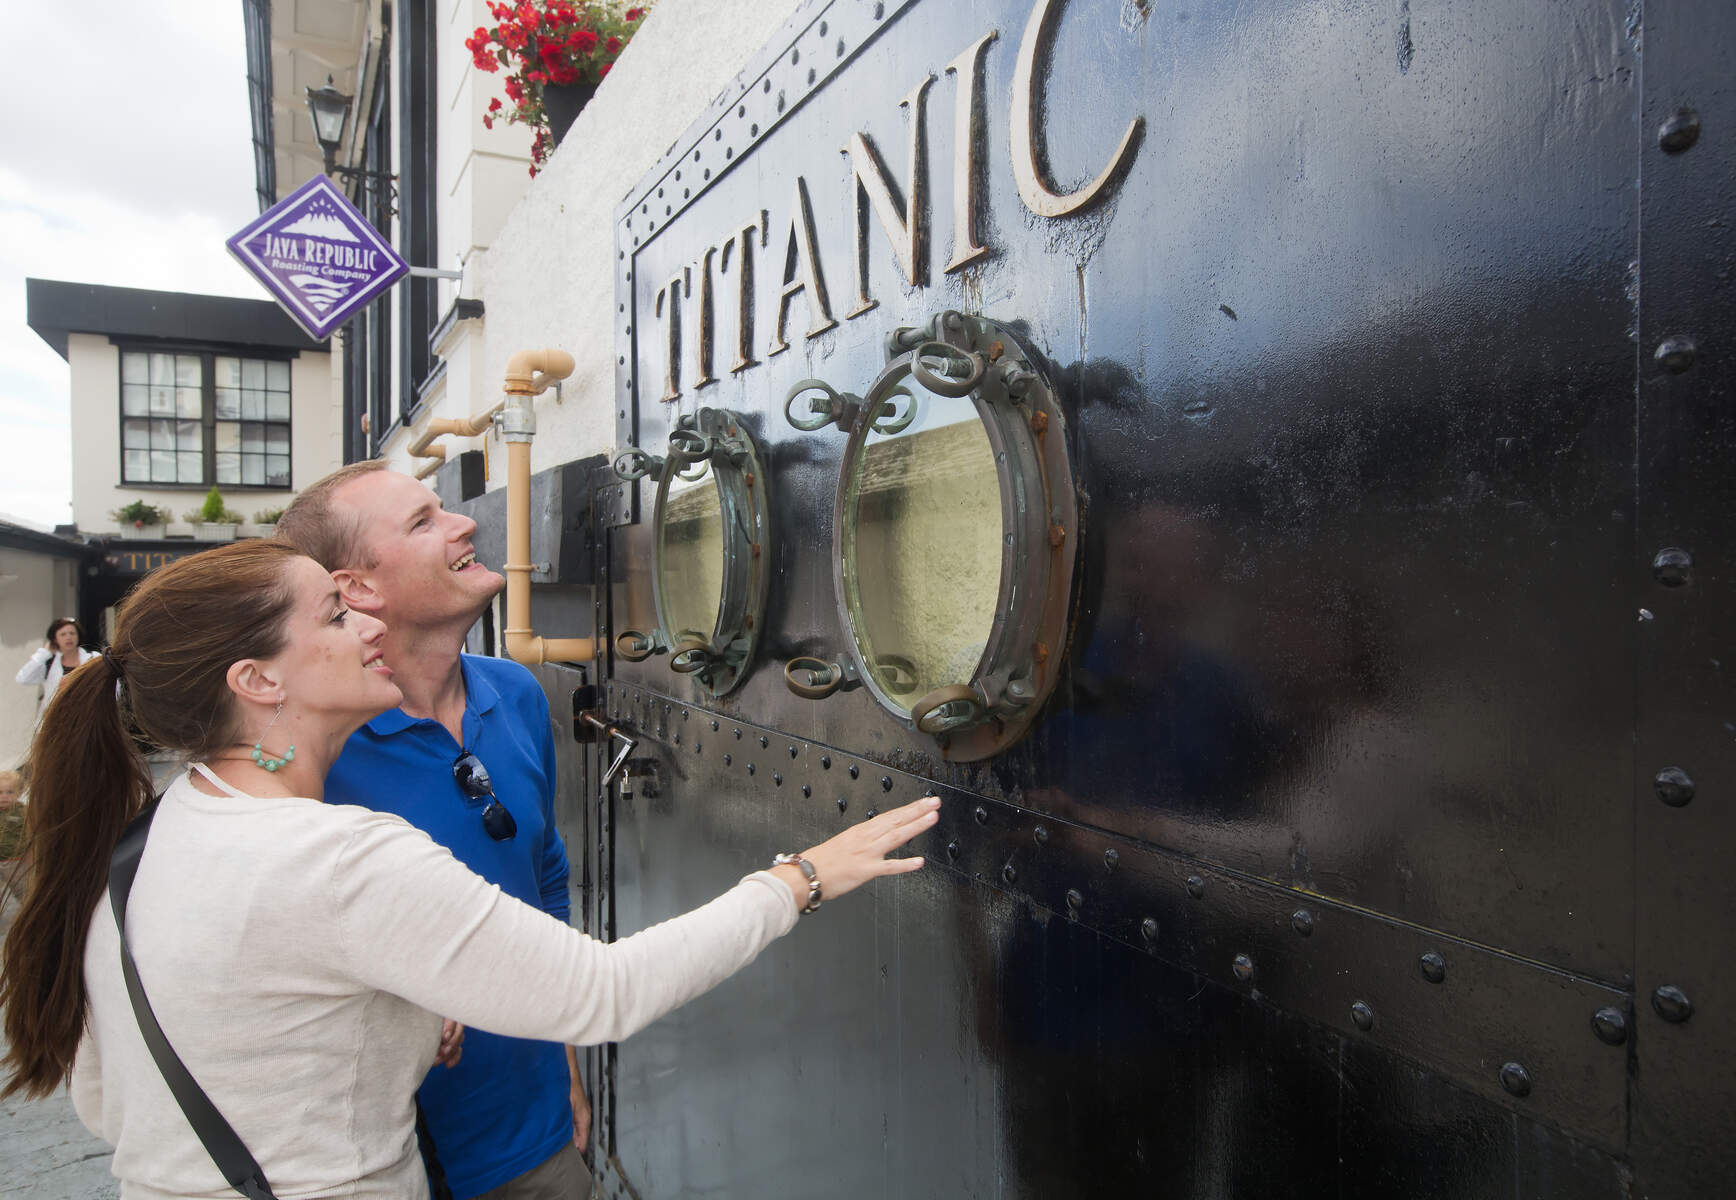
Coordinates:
582	40
613	45
604	70
633	14
561	75
494	105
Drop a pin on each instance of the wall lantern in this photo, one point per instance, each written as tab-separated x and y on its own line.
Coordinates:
329	109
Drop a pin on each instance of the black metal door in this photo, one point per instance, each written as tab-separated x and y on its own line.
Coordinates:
1371	843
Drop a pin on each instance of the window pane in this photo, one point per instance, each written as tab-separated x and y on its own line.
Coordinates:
138	465
135	368
277	406
277	439
228	436
135	398
162	400
252	468
189	402
187	371
192	467
136	435
162	368
252	405
228	468
163	466
252	437
277	470
163	437
252	373
187	435
228	403
228	372
277	376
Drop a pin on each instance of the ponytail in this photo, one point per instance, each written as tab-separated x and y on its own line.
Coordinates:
88	781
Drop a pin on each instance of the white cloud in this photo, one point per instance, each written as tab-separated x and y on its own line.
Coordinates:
130	171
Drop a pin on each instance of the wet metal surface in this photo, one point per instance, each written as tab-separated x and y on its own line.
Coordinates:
1398	685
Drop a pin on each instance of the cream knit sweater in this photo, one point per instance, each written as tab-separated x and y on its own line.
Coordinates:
300	957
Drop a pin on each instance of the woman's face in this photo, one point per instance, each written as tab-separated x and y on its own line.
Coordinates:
333	675
66	638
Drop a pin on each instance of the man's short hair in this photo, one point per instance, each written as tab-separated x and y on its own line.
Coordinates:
329	533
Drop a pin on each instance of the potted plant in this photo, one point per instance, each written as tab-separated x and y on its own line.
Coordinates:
265	521
213	521
554	53
140	520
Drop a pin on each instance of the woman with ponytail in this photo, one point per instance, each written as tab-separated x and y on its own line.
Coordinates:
298	955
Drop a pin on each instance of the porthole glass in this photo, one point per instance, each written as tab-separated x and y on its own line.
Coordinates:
956	526
922	542
709	527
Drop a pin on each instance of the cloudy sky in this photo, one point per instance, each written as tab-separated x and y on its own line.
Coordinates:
125	158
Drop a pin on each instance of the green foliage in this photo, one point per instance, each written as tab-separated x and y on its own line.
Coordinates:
214	511
267	516
140	513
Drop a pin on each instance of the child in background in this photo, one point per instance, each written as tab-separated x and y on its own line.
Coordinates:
11	844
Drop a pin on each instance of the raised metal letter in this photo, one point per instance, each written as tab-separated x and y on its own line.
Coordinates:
672	348
1032	190
801	272
905	231
966	124
742	243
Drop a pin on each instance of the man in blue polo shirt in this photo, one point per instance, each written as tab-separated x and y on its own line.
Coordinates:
470	760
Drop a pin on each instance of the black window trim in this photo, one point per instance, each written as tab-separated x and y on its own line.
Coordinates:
208	353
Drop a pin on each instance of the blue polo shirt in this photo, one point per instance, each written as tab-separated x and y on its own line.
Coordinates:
506	1107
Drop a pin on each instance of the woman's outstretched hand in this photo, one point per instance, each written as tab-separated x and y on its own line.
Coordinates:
857	855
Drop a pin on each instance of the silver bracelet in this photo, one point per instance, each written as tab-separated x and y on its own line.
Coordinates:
807	869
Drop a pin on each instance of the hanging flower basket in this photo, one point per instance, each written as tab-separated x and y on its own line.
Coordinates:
552	54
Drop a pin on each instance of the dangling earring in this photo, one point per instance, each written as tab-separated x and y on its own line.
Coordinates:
261	757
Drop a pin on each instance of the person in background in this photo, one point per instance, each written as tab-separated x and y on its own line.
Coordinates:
11	845
510	1121
63	654
299	954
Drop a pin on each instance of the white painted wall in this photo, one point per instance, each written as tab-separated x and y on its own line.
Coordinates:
316	400
545	269
34	590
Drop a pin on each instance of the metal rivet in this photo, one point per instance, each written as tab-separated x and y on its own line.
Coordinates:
1074	900
1610	1025
727	760
714	727
825	762
1673	567
1434	967
1010	873
778	778
886	783
678	739
1148	929
1196	887
870	814
1516	1079
764	742
738	735
1111	858
750	768
1040	835
981	814
1674	787
1302	921
792	751
855	771
843	803
698	746
1680	131
1362	1016
684	714
1676	354
1671	1004
1243	967
952	851
806	791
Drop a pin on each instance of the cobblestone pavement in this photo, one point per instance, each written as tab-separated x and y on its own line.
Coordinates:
46	1154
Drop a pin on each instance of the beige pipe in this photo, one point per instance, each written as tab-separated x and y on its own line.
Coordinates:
529	373
423	446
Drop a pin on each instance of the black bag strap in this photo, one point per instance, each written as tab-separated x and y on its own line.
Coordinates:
221	1142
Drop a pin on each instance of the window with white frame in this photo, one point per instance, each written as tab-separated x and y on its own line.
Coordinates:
204	418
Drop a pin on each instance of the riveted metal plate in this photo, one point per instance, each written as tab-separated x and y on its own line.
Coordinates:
1489	1010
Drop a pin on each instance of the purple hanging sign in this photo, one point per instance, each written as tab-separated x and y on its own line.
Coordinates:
318	256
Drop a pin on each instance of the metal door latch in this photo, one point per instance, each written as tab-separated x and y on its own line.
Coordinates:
612	733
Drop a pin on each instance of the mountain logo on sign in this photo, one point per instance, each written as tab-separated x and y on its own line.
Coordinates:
319	221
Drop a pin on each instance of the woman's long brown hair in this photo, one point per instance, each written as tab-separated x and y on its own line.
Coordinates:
175	638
